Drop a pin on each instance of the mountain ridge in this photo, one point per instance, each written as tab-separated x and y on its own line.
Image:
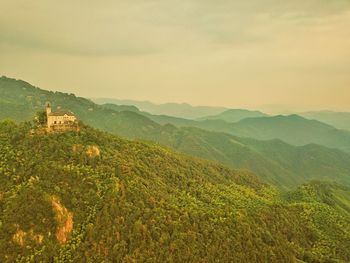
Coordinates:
234	115
340	120
182	110
230	150
133	201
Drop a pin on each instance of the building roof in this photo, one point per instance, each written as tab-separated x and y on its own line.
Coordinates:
61	113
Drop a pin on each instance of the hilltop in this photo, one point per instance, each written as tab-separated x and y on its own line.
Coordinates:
279	163
89	195
21	101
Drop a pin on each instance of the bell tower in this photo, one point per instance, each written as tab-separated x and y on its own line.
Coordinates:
48	108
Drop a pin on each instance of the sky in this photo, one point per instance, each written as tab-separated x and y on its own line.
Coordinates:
293	54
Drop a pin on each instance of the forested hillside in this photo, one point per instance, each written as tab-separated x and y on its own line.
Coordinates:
292	129
90	196
17	95
283	165
277	162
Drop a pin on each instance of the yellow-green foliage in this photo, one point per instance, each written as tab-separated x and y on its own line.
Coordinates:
139	202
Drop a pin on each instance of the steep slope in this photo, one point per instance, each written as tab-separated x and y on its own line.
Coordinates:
309	162
292	129
20	101
340	120
119	108
277	163
334	195
90	196
234	115
160	119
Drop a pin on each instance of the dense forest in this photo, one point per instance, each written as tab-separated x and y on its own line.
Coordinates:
158	131
277	162
89	196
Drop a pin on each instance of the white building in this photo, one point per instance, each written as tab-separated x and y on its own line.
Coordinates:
59	120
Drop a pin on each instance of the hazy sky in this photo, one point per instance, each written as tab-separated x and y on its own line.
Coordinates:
209	52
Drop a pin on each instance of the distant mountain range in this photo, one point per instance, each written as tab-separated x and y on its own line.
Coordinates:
234	115
274	160
181	110
340	120
277	162
292	129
